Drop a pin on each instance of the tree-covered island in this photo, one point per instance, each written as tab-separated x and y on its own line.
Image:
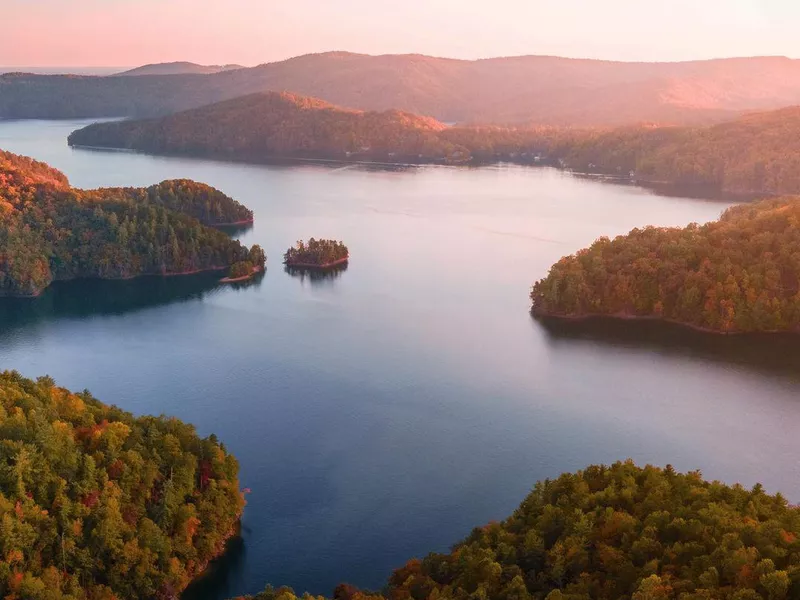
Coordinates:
50	231
316	254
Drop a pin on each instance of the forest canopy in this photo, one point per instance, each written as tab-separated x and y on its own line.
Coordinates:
96	504
616	532
203	202
754	154
50	231
738	274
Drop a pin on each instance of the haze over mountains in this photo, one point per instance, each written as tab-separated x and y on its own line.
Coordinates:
520	90
179	68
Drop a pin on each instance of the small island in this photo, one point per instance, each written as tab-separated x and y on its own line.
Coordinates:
245	270
739	274
316	254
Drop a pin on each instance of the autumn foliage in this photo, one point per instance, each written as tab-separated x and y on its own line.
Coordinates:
50	231
738	274
96	504
613	533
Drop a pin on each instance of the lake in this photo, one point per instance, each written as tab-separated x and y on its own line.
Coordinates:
382	413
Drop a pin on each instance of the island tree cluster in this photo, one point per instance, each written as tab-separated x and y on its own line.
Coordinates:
98	505
738	274
316	253
613	533
50	231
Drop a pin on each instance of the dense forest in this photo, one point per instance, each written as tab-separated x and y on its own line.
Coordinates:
203	202
618	532
245	269
316	253
50	231
98	505
521	90
738	274
755	154
273	125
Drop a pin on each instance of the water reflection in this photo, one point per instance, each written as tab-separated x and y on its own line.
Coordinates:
218	579
317	276
776	354
253	283
90	297
235	231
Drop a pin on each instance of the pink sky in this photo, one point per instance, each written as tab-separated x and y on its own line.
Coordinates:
249	32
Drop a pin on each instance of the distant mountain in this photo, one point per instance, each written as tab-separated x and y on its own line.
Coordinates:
273	125
529	89
178	68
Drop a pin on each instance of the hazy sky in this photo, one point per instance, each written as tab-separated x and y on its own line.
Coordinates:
249	32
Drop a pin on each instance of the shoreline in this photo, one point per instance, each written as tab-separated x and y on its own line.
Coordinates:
659	187
256	271
268	159
235	223
336	263
38	293
202	569
627	317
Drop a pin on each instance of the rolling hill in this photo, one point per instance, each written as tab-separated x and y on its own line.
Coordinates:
178	68
528	89
272	125
755	154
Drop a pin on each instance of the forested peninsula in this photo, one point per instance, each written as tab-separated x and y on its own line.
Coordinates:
50	231
96	504
758	154
272	125
753	155
738	274
612	533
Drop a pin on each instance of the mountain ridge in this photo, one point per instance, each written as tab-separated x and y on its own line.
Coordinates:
540	90
177	68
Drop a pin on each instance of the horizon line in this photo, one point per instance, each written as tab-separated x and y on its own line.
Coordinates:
403	54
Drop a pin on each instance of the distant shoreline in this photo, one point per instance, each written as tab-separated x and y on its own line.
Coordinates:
663	188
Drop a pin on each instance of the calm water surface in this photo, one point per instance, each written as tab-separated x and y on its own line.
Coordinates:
383	413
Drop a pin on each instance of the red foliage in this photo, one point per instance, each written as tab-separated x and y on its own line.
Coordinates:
90	499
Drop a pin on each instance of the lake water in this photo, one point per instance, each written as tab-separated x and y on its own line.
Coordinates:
381	414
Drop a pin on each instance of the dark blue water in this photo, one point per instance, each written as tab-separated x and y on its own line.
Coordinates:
383	413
